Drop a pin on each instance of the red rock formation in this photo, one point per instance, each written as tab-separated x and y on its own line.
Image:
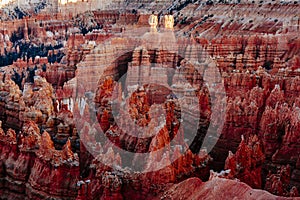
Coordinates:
246	164
11	105
34	168
256	52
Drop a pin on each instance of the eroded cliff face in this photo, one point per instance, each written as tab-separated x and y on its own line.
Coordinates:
31	166
65	117
246	164
250	98
29	162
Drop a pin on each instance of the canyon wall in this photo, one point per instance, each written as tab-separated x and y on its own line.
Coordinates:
63	122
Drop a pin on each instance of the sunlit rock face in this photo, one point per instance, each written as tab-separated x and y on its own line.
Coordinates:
62	99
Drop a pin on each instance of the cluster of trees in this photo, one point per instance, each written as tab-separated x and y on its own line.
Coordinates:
28	75
19	13
56	57
17	35
86	23
28	51
8	58
40	7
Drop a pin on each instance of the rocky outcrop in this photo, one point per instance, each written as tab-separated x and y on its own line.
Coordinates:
12	105
31	166
54	173
216	187
246	163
